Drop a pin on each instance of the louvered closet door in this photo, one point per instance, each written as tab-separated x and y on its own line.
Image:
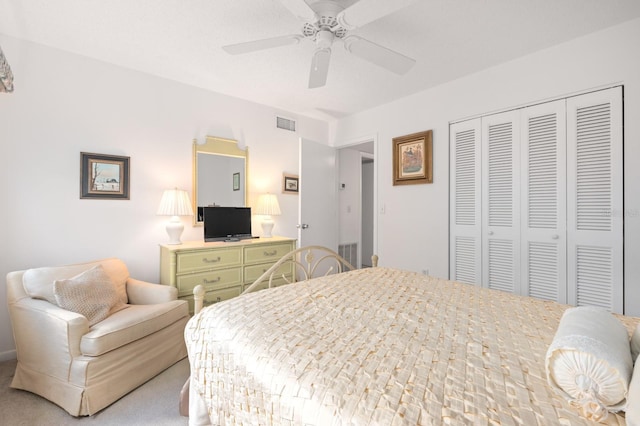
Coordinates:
543	183
465	232
501	201
594	202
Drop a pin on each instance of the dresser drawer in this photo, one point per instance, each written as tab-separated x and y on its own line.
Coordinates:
215	296
266	253
253	272
201	260
210	280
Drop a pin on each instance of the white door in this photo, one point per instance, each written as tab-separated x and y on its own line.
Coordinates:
465	256
318	206
594	202
543	178
501	201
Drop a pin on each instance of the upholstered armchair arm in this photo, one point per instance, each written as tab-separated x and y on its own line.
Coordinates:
47	337
144	293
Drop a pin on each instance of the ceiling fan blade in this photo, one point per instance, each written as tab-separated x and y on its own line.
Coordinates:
268	43
381	56
300	9
365	11
319	68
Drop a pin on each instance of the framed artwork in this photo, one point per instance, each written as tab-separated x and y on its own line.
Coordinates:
236	181
413	159
104	176
289	184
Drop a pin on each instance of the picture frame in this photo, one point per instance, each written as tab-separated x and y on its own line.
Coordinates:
290	184
236	181
104	176
413	158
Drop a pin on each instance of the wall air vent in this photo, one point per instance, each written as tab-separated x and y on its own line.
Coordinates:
350	252
285	124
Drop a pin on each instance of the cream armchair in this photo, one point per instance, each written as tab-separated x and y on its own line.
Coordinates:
85	368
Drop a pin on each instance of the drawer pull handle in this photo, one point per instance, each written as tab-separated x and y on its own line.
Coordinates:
206	260
206	281
270	253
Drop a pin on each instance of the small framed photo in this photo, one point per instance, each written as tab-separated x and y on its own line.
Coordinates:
104	176
413	159
236	181
289	184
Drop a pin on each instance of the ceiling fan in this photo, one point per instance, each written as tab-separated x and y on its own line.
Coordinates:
327	21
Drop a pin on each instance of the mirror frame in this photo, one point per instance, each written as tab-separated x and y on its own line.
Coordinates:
223	147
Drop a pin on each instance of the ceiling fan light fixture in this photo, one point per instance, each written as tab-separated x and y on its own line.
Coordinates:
324	39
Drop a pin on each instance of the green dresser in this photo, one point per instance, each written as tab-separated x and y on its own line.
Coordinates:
224	269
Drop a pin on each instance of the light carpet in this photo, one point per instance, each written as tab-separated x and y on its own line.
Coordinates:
154	403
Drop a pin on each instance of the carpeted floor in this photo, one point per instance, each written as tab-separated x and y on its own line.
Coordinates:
154	403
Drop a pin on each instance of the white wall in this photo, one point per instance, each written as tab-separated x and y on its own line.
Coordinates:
413	231
64	104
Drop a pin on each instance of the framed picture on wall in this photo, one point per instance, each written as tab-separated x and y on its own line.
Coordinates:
104	176
289	184
413	159
236	181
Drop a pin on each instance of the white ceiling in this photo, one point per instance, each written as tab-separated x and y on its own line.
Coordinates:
181	40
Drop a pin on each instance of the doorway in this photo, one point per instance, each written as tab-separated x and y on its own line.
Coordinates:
356	203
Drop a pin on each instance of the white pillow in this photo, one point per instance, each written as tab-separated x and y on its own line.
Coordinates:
633	399
92	294
589	361
635	343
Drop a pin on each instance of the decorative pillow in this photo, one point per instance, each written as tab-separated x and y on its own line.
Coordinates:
633	399
589	361
92	294
635	343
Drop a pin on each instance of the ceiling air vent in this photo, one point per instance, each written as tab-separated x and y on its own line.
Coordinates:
286	124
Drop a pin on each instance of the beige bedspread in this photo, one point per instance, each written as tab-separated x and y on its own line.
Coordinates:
378	346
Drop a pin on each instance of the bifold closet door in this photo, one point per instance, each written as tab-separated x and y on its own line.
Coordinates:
501	201
543	203
537	200
465	224
595	199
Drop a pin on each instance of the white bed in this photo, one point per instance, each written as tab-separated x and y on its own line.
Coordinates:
377	346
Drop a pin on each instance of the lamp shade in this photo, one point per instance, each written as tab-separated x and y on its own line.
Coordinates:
268	205
175	202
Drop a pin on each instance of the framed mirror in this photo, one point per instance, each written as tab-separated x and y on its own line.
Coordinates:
220	175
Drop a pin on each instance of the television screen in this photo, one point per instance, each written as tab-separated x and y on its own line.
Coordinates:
225	223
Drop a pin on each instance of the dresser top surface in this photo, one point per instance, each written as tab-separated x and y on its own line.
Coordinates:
191	245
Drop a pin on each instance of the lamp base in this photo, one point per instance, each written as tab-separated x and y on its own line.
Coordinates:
174	229
267	227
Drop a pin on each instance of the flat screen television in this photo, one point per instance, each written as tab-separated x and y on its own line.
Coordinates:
227	223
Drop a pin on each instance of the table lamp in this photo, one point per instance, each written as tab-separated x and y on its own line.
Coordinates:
175	202
267	206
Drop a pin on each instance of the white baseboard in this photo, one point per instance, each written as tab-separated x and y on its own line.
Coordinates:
8	355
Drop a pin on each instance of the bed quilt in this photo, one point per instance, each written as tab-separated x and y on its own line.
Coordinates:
378	346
